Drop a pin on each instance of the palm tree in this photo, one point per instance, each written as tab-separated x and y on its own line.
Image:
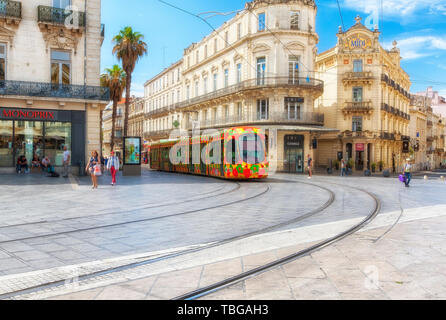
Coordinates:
115	80
129	48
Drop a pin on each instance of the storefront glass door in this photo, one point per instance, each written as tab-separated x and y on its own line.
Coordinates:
6	144
295	160
28	137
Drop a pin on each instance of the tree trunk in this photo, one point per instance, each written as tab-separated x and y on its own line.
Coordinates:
128	84
112	142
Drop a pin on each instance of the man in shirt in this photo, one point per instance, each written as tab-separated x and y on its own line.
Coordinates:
66	161
113	166
408	171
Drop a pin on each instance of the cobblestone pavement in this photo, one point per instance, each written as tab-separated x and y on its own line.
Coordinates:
405	257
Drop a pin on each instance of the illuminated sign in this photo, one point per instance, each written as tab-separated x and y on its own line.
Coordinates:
358	42
26	114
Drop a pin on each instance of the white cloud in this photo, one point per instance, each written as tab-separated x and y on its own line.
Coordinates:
419	46
397	8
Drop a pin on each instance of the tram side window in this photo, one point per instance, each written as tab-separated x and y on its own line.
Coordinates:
252	149
231	152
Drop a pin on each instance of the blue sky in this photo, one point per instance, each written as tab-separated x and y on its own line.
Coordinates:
419	26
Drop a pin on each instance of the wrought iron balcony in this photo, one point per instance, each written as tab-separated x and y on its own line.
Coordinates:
365	77
71	19
358	106
284	118
10	9
245	86
50	90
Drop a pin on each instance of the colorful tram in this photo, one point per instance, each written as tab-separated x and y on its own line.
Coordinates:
236	153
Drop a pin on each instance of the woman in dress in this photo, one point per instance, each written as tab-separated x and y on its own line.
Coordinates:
94	160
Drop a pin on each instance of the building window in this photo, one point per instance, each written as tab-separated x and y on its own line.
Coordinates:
293	66
197	57
357	124
215	45
357	94
294	20
261	70
293	108
226	77
205	85
357	66
196	88
205	51
215	82
262	109
239	73
239	110
226	112
226	39
188	92
239	31
261	25
60	67
61	4
2	61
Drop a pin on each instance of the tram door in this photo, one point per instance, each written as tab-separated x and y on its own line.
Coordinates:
294	154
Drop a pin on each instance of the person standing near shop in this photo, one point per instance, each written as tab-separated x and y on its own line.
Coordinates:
94	168
310	165
113	166
66	161
343	173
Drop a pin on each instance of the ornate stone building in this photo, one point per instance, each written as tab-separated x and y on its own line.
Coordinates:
366	96
49	79
257	69
136	118
107	128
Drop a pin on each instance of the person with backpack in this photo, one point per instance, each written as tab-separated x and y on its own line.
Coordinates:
113	166
407	172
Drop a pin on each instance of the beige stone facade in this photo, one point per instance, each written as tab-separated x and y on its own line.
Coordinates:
255	70
366	96
107	128
136	118
51	61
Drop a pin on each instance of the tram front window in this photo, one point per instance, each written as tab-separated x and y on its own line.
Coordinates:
251	148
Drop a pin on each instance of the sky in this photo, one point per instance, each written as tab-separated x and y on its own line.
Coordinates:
419	27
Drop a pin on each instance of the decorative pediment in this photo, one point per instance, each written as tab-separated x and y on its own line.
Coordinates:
295	45
6	35
61	37
225	63
261	47
237	57
214	69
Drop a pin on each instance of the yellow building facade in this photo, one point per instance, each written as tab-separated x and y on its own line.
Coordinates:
366	96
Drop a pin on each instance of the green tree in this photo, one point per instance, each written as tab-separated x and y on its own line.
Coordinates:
115	79
129	47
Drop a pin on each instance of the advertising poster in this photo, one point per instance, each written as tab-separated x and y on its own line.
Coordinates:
132	151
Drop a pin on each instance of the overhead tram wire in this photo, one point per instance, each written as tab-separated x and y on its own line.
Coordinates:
212	27
340	14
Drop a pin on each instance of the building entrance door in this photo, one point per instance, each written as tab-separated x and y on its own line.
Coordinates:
294	154
359	160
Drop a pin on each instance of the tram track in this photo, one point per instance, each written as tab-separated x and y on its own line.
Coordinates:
133	265
267	189
208	195
196	294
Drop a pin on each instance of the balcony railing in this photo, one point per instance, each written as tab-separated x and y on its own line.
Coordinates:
50	90
387	136
10	9
358	105
247	85
358	76
69	18
308	118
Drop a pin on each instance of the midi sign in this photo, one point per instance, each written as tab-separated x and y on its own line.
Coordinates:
28	114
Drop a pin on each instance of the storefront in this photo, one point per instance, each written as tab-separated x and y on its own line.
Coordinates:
294	153
44	133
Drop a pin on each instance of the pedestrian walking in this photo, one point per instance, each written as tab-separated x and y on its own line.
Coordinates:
408	172
66	161
94	168
343	172
113	166
310	165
